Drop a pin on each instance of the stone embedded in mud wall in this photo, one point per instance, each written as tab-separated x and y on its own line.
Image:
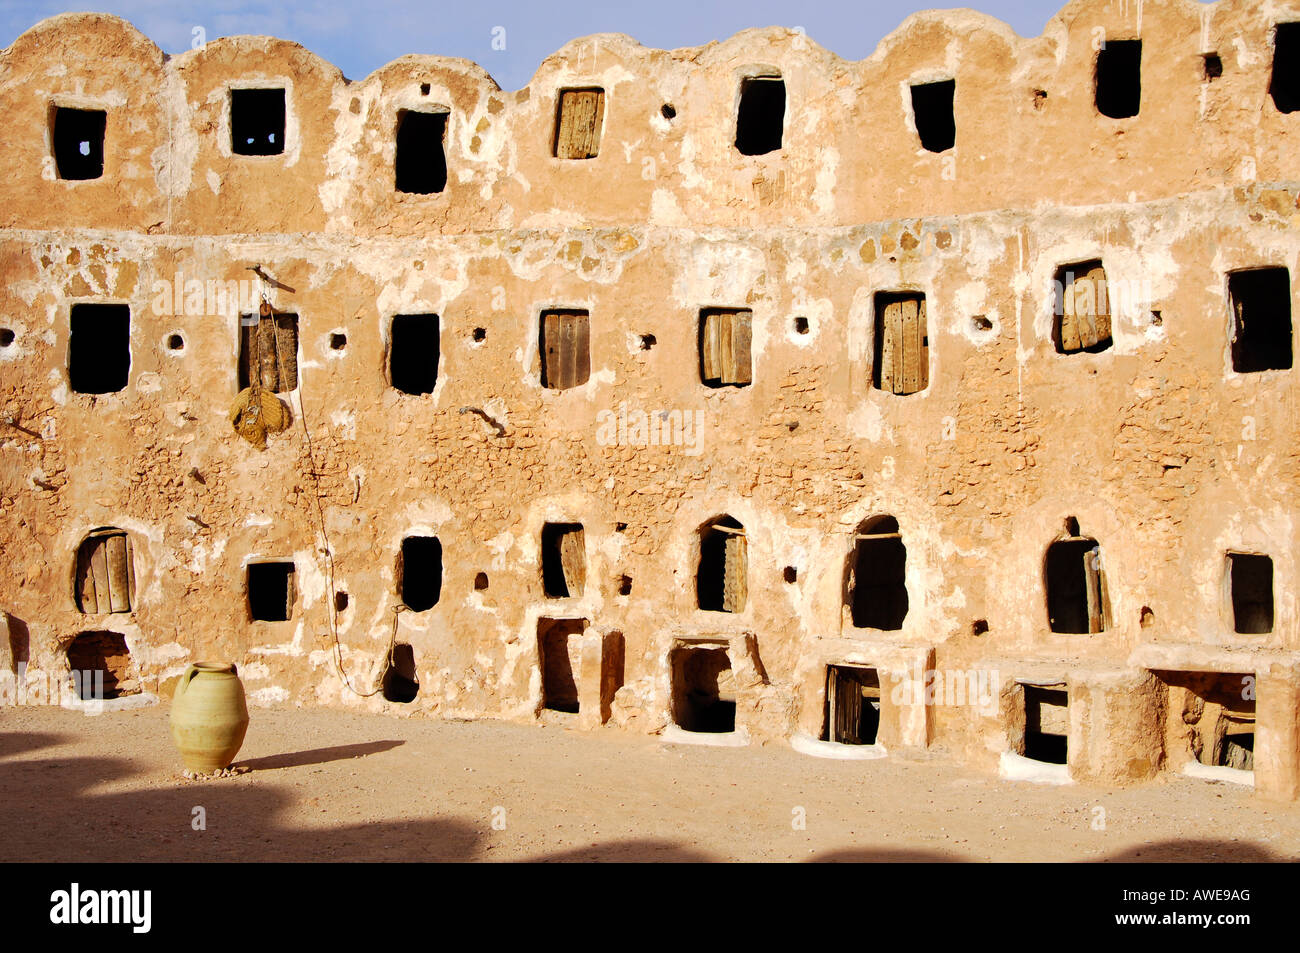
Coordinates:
944	397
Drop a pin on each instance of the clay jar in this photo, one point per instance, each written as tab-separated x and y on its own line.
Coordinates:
209	717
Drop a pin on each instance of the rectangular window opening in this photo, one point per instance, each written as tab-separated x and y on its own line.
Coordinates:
566	349
703	690
1251	579
257	122
1081	309
932	110
1284	84
725	335
78	137
1047	724
1261	314
1118	79
401	681
419	572
421	157
268	348
564	560
271	591
580	115
852	705
901	345
760	119
99	348
559	644
413	353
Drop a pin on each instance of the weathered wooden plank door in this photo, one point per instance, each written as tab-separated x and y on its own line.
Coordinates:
1085	312
1092	582
566	357
573	561
735	582
105	576
581	118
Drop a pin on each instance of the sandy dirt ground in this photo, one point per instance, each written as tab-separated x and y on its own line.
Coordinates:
328	785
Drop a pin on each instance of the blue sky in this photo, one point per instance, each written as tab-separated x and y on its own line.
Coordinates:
360	35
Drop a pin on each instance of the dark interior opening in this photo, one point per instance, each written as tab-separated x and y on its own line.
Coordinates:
100	661
720	581
99	348
480	582
1284	85
257	122
480	334
421	158
79	142
270	591
801	325
1238	751
879	576
1261	310
340	601
175	342
1252	593
1119	78
648	341
558	648
563	560
625	585
6	337
1047	720
338	341
1212	65
703	695
761	117
401	682
790	574
268	350
419	572
1074	586
932	108
413	353
852	705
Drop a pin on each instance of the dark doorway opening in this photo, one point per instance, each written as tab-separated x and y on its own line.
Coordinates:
419	572
852	705
1119	78
878	576
559	647
703	693
270	591
421	160
760	120
1047	724
413	353
932	109
401	682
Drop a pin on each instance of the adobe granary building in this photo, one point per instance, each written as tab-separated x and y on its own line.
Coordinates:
943	399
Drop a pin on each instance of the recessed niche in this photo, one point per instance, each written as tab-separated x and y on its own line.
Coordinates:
419	572
420	163
102	666
1261	314
338	341
559	649
932	110
401	681
1118	78
1250	581
413	353
760	118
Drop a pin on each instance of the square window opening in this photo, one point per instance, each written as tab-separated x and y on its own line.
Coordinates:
414	351
760	119
580	116
560	648
703	690
257	122
1081	309
566	349
78	138
270	591
564	560
725	335
268	351
852	705
1261	315
1251	584
419	572
901	345
933	112
1118	78
421	157
99	348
